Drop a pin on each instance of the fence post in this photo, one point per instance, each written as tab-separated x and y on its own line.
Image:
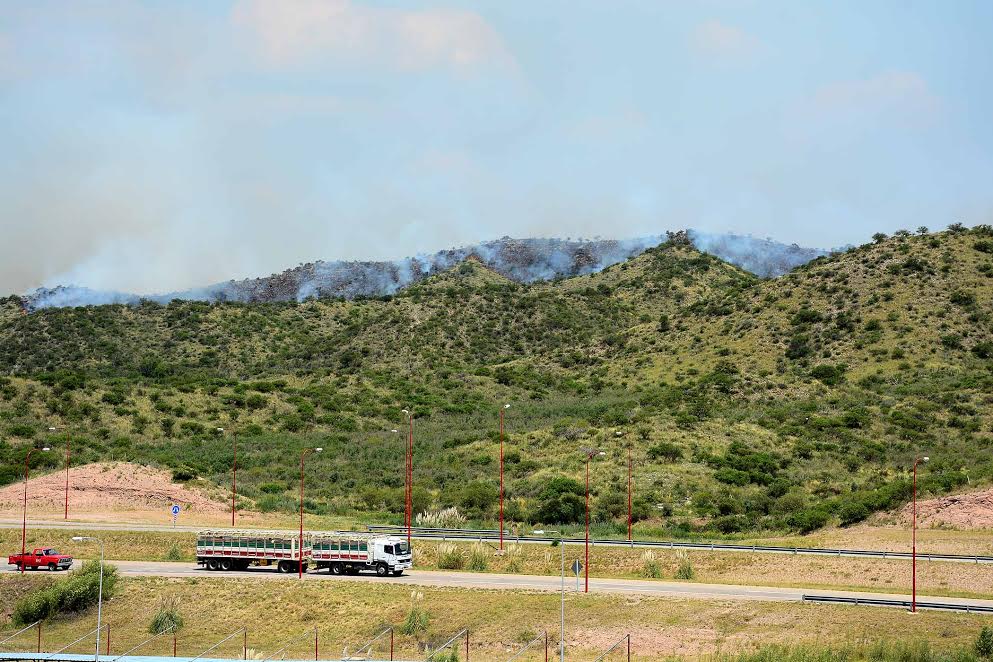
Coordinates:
629	648
391	644
108	638
546	645
174	643
467	645
315	644
39	636
244	645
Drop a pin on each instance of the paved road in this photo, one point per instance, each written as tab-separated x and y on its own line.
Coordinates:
719	547
519	582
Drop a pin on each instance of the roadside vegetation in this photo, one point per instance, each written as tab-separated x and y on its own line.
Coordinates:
750	407
500	622
71	595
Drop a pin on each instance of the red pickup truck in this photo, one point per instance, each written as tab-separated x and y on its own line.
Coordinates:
43	557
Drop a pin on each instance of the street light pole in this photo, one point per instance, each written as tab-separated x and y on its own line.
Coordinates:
24	520
590	454
303	454
96	654
505	407
913	599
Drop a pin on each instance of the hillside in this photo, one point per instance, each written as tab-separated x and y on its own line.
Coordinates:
748	404
519	260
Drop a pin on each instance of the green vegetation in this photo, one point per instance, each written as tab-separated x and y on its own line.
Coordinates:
71	595
748	405
167	618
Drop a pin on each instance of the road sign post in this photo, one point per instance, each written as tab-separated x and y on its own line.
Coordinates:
577	569
174	509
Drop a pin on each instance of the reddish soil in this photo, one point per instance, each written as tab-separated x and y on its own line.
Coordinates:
973	510
109	487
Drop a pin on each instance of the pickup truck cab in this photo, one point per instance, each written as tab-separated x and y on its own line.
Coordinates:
42	557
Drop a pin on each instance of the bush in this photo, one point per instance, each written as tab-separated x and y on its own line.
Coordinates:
853	512
665	451
685	569
450	557
73	594
808	520
167	618
650	566
479	559
984	642
417	619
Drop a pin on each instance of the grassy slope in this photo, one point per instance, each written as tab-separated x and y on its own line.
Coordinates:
277	610
838	372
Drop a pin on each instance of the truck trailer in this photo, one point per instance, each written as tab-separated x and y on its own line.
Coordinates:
232	549
349	553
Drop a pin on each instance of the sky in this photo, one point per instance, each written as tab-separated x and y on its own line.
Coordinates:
154	146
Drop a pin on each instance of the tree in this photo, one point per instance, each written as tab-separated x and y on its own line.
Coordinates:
922	230
879	237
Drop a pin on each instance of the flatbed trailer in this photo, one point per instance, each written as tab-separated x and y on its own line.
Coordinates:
232	549
347	552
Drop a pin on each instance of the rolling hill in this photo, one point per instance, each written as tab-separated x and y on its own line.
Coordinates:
747	403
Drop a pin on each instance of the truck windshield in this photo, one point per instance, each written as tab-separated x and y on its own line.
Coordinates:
401	548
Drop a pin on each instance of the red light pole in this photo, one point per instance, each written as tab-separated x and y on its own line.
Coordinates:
409	512
303	454
24	520
590	454
913	600
505	407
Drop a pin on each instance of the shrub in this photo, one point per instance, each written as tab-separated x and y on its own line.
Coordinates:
984	642
70	595
446	518
853	512
167	617
685	569
808	520
450	557
417	619
650	566
479	559
515	563
174	553
665	451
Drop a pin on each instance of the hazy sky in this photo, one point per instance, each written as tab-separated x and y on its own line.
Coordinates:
154	146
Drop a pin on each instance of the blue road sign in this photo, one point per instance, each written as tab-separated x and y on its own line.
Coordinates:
175	509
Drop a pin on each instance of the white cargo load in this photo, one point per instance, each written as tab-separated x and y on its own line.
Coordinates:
233	549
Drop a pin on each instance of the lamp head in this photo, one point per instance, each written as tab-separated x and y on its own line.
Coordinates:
406	411
925	458
220	429
318	450
507	406
393	430
51	429
46	448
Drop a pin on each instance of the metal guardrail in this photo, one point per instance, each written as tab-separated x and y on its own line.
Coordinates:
906	604
489	535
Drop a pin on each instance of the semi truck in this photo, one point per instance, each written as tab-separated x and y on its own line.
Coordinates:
43	557
230	549
350	553
339	552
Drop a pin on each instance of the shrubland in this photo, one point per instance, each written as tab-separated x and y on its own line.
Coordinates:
747	405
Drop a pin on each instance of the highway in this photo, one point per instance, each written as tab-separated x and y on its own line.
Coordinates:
474	580
493	536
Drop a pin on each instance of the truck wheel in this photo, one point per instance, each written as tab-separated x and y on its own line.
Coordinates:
397	573
212	564
51	567
336	569
226	564
284	567
382	570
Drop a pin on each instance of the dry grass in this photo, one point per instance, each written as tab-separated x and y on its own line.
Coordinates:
893	576
347	614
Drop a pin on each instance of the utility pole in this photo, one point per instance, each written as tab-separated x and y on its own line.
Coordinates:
505	407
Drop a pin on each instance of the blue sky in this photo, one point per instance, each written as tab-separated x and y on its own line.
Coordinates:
154	146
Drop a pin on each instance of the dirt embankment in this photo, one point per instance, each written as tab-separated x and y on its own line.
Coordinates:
108	488
973	510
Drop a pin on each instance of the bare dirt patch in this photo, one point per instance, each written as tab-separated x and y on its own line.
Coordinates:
973	510
105	488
